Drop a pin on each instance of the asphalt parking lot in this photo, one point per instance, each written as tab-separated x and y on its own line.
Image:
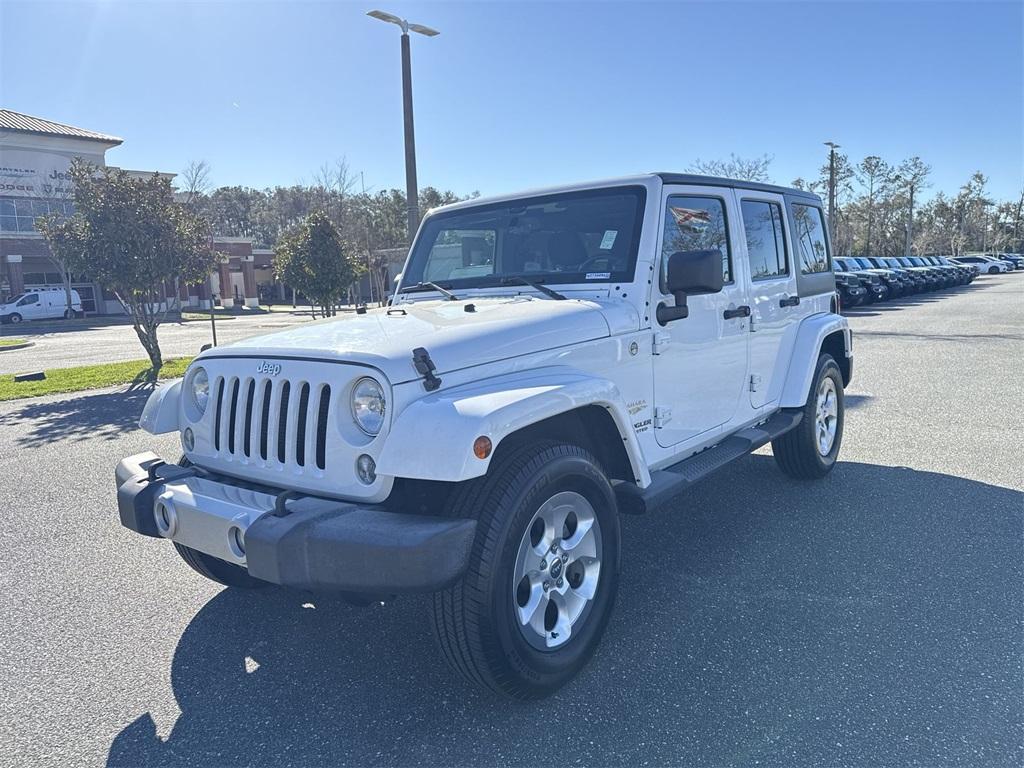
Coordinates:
65	343
873	618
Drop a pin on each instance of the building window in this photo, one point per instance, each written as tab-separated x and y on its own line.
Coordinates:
19	214
766	244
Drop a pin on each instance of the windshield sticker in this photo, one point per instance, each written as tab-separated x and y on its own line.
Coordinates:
609	239
599	275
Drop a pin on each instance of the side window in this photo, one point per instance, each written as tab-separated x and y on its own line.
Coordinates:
32	298
810	239
766	243
696	224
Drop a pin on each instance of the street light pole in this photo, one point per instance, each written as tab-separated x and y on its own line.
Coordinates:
411	190
412	201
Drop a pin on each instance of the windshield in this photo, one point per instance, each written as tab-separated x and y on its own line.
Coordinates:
865	263
15	299
576	237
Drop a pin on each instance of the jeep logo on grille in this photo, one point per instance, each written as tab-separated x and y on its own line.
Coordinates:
271	369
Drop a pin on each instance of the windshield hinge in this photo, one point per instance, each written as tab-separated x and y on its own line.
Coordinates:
425	367
661	340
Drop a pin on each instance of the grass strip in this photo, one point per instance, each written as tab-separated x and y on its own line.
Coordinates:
8	342
83	377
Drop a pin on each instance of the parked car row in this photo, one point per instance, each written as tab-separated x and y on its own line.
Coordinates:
993	263
867	279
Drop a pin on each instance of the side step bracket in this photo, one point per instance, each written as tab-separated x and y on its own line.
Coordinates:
672	480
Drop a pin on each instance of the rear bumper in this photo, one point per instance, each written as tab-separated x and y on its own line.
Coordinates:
305	543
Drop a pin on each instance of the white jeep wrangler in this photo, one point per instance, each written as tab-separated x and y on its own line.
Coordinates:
550	361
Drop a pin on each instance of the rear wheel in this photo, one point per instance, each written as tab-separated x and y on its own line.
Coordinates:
810	450
543	574
213	568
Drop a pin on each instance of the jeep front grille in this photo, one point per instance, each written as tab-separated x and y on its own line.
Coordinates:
272	421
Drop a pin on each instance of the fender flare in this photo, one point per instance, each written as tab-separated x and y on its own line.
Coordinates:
804	360
432	439
161	412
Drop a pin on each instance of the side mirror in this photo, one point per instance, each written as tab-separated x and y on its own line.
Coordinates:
690	273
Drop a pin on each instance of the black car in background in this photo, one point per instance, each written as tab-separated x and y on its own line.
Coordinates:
914	281
871	278
848	286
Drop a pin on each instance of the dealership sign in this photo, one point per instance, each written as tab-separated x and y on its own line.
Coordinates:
35	174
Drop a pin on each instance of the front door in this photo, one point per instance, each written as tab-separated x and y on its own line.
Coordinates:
774	303
701	363
30	307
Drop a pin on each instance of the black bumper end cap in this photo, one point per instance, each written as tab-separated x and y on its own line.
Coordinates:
367	551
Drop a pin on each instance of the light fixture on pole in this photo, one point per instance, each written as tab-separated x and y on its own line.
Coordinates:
411	191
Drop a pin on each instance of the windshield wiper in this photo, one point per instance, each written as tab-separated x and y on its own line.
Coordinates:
428	286
520	280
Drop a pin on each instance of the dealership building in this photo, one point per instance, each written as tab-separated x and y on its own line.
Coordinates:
35	155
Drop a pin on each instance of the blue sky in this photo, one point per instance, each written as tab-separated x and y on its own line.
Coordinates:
515	95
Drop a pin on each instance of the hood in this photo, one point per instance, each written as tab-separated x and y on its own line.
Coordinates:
456	334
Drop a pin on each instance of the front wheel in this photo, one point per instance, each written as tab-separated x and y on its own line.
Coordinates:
14	318
993	270
810	450
541	582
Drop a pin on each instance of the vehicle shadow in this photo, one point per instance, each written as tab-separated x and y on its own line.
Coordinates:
870	618
107	415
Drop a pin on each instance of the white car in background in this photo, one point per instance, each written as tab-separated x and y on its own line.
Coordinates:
42	304
984	263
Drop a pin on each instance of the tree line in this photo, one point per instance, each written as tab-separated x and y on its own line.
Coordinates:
881	211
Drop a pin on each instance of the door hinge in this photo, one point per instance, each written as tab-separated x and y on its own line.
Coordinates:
662	416
755	382
661	340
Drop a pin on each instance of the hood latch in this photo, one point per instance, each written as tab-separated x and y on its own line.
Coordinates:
425	367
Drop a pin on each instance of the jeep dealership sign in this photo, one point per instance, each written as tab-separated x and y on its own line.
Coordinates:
28	173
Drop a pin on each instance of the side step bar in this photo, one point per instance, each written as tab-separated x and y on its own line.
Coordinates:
670	481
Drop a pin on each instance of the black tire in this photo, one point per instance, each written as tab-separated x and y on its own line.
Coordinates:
797	452
993	270
14	317
215	569
475	620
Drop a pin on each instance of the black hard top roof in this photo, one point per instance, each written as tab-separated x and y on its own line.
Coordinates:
716	181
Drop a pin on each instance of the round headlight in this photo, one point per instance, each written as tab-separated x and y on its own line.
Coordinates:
200	389
368	406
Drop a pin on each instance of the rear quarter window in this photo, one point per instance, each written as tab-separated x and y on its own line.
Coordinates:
811	243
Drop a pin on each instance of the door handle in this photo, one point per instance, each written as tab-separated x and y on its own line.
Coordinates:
789	301
743	311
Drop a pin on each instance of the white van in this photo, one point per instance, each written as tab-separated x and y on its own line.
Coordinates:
41	304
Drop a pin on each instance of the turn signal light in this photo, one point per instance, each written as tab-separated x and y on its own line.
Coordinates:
482	447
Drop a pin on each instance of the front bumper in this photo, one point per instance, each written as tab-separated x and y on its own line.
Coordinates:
307	543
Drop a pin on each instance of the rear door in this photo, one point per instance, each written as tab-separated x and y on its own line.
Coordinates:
774	302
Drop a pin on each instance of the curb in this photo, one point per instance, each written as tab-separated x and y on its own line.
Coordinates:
13	347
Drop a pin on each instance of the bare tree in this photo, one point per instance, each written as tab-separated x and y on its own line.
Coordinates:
196	181
872	173
911	176
742	168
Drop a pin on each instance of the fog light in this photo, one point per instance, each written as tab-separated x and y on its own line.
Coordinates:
366	468
188	439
